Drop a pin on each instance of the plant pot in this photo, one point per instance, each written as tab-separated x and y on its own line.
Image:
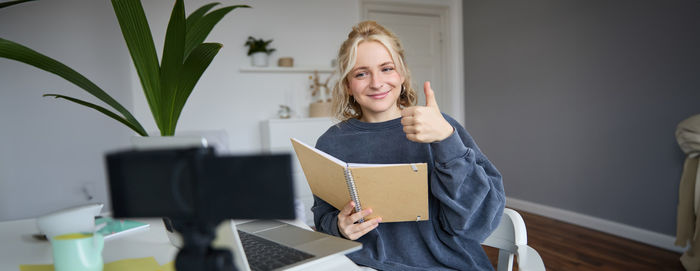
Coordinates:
259	59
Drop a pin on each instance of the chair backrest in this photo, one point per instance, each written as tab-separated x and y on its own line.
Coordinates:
509	237
510	232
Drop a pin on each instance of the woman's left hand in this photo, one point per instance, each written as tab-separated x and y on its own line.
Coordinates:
425	124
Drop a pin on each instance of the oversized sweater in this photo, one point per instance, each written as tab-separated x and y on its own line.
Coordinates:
466	198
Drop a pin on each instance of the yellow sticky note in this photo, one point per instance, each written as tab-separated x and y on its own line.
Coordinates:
167	267
134	264
36	267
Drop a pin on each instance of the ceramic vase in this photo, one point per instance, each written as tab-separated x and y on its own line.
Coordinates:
259	59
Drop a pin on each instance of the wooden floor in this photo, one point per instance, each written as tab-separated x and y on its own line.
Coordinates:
568	247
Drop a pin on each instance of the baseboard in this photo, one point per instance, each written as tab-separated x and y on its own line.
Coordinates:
618	229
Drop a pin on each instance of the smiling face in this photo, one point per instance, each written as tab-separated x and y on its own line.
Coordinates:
375	83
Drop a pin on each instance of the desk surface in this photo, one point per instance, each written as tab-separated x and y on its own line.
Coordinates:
19	247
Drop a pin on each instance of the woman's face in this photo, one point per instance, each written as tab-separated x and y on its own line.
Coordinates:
375	83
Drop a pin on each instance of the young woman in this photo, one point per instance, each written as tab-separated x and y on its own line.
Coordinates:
381	124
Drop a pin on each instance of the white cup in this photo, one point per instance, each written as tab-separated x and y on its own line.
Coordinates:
69	220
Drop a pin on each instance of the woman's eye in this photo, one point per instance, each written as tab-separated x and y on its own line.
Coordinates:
361	74
386	69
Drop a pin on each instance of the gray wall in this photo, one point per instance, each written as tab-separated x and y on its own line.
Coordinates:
576	102
50	149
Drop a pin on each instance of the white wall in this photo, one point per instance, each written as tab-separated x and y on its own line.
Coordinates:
310	31
49	148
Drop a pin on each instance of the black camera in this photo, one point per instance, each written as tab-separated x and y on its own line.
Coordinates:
197	189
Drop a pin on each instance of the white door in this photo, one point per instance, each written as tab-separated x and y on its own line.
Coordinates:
421	37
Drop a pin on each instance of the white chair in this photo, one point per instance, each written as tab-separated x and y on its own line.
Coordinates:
511	240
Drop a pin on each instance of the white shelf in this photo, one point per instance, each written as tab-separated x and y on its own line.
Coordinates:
286	69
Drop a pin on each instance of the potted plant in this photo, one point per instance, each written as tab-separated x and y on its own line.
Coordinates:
167	85
258	51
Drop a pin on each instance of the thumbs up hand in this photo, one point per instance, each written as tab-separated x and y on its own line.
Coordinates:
425	124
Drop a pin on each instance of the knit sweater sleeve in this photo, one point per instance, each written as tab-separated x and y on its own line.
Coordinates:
325	217
468	187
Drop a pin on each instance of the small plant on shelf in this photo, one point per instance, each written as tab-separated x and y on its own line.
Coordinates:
258	51
258	46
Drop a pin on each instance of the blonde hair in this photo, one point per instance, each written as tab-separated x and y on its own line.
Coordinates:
344	107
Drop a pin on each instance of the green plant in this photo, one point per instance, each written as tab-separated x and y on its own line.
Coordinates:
12	3
167	85
258	45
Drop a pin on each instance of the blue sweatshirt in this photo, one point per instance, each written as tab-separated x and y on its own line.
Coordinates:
466	198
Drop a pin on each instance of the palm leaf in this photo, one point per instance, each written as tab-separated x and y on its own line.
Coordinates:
102	110
15	51
198	14
166	85
12	3
137	36
171	65
195	65
202	27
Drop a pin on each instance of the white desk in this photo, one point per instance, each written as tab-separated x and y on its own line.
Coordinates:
19	247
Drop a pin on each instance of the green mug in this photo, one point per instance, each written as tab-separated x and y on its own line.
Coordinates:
77	252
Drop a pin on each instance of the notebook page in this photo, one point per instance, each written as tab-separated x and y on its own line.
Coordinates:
330	157
372	165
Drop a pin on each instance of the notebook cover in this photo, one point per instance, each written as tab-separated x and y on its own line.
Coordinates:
394	192
325	177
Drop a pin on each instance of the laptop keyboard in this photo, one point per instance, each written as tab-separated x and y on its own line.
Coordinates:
263	254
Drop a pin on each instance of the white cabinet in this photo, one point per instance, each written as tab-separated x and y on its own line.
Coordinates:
275	139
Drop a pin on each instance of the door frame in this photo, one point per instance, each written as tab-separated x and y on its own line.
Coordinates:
450	13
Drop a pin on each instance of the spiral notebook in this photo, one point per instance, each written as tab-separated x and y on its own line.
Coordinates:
395	192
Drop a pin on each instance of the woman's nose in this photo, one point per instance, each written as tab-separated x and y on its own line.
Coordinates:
376	82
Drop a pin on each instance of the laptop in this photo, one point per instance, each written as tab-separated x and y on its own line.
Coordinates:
262	245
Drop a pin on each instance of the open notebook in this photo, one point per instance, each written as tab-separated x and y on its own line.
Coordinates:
395	192
111	228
